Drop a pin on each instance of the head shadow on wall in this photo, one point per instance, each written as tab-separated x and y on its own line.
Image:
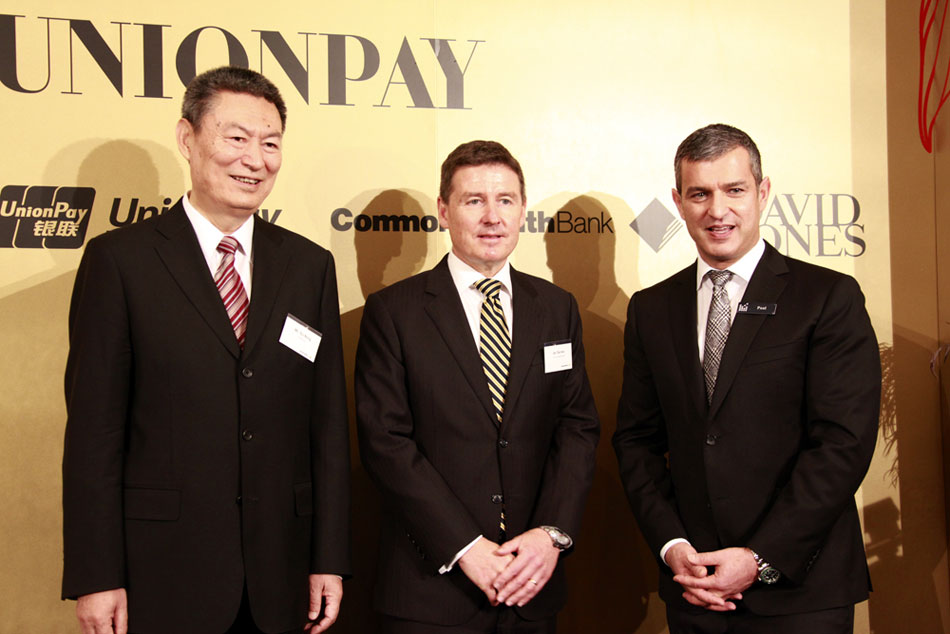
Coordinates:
35	305
134	181
101	177
382	257
611	558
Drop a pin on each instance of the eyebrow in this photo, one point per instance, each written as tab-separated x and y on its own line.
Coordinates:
701	188
738	183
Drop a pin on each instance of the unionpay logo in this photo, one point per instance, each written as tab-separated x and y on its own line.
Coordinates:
42	217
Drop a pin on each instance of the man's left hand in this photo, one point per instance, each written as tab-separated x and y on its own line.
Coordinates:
735	570
534	562
326	593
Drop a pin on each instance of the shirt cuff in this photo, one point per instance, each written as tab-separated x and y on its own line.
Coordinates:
444	569
670	544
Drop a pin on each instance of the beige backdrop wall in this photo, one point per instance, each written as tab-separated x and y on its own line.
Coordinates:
591	97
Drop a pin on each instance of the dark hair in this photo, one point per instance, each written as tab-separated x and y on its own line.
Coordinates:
477	153
711	142
202	89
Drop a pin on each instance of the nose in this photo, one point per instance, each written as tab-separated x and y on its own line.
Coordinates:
253	156
491	215
718	205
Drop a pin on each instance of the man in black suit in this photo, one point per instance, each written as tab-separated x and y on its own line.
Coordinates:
748	415
205	473
481	442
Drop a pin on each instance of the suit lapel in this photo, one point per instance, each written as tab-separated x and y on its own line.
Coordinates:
765	286
528	324
182	256
445	309
270	263
682	320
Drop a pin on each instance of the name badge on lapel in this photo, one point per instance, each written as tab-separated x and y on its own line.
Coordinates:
300	338
756	308
557	356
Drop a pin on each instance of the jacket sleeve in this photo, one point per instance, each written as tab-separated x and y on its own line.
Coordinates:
841	406
97	400
410	485
641	444
330	442
569	469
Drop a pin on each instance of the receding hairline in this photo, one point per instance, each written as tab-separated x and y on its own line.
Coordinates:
516	190
473	154
203	88
710	143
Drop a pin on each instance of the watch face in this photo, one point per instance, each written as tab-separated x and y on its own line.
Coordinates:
769	575
560	539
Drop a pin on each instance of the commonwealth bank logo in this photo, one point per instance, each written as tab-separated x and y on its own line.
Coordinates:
656	225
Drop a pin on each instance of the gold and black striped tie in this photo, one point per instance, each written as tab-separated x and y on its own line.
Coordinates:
495	351
495	343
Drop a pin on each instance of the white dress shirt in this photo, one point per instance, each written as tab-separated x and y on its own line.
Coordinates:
210	236
465	278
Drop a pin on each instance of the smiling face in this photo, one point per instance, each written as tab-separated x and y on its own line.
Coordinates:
721	205
234	154
483	214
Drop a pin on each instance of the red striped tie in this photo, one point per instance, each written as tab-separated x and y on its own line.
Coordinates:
231	288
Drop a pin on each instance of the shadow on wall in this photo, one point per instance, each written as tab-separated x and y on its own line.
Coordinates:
33	362
897	543
142	172
610	575
134	180
382	258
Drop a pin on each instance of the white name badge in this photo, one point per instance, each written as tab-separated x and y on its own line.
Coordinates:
300	338
557	356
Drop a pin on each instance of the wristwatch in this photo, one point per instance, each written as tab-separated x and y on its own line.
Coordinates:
562	541
767	573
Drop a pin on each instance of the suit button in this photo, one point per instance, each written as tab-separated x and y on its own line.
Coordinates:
238	500
502	443
497	499
247	373
710	440
247	434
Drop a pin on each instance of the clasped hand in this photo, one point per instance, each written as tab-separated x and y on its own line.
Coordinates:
514	572
734	571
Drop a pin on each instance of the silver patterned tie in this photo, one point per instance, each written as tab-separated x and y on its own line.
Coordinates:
717	328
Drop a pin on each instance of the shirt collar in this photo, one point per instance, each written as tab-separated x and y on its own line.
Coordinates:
744	268
465	276
210	236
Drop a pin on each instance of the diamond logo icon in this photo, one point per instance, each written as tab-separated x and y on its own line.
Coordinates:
656	225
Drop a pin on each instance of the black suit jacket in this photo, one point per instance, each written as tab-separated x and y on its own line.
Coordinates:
774	462
191	465
430	440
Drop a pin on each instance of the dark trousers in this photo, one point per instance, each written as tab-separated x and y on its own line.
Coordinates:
741	621
500	620
244	622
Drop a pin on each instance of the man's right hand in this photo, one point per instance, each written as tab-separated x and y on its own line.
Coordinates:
676	559
481	565
104	612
